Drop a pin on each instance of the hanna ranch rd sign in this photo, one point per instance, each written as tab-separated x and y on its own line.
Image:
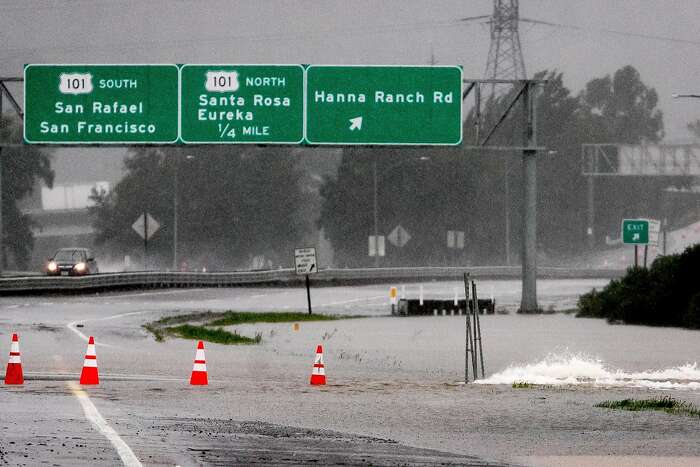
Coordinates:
242	104
101	104
384	105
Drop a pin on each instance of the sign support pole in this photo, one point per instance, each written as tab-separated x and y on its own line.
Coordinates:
468	328
646	250
636	256
308	292
2	244
529	254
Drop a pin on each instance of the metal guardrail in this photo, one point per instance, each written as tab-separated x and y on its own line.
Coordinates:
159	279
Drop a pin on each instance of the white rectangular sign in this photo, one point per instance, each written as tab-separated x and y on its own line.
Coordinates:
305	261
376	245
654	230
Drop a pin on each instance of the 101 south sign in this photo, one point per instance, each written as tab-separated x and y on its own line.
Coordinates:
101	104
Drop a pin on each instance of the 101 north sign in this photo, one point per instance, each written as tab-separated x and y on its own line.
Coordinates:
242	104
257	104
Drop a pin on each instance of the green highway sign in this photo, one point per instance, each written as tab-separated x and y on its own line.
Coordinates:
258	104
396	105
635	231
101	104
242	104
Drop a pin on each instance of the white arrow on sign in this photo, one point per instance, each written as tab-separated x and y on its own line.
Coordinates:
399	237
142	229
356	123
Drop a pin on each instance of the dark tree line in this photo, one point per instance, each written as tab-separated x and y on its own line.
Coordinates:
234	203
21	167
431	190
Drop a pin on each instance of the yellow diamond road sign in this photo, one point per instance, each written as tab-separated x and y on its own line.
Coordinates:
399	237
145	226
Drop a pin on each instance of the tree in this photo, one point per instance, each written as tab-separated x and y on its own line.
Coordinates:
464	189
21	167
234	203
622	109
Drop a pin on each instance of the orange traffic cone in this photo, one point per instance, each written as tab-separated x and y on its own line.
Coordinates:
318	374
14	375
89	373
199	370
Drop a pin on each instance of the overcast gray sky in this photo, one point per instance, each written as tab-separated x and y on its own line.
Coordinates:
363	31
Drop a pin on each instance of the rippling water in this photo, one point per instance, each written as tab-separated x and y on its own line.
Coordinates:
580	369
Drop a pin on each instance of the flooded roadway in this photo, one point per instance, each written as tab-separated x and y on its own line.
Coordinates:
394	383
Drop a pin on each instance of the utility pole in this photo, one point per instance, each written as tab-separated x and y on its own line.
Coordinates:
505	61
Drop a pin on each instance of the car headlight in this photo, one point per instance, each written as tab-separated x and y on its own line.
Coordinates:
52	266
79	267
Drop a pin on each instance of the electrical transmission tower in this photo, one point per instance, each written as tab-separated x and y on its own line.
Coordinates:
505	59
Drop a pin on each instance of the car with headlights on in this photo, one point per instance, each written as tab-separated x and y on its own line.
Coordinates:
72	262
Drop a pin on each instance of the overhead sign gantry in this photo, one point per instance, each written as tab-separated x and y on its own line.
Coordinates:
231	103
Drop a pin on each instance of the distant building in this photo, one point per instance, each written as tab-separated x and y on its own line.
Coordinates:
60	214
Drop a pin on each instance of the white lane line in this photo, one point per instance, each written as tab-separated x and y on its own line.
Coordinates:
12	306
127	456
162	292
355	300
72	324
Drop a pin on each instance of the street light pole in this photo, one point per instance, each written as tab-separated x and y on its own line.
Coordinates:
175	209
375	201
176	204
376	214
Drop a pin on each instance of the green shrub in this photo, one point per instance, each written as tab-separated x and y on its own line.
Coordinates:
691	318
666	294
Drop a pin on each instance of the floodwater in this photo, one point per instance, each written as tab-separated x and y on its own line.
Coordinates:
551	349
391	378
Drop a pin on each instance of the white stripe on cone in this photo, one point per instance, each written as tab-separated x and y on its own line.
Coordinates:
318	370
14	353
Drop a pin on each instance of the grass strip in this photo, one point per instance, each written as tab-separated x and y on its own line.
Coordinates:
521	385
206	325
230	318
216	335
664	404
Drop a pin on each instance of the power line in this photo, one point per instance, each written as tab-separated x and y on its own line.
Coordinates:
379	29
612	32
